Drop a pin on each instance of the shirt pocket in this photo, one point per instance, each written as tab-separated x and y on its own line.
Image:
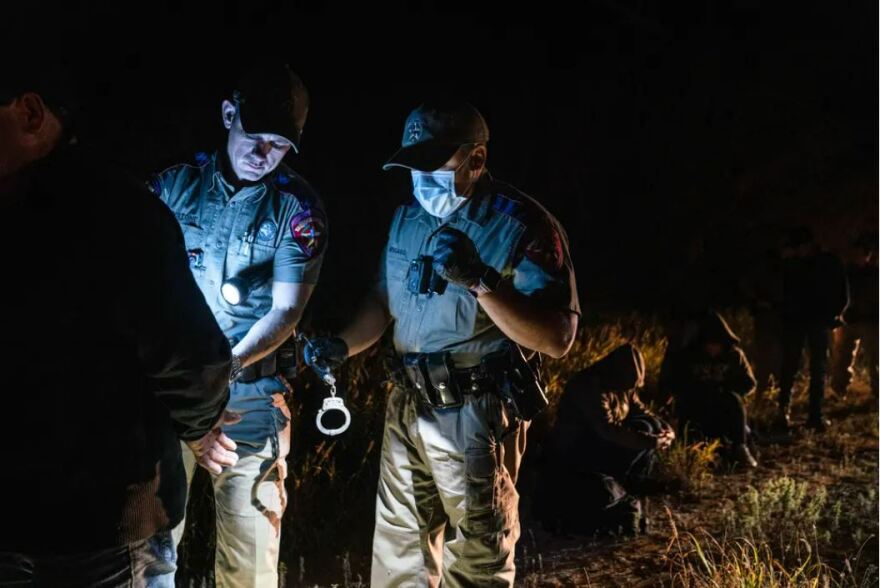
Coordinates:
396	268
254	259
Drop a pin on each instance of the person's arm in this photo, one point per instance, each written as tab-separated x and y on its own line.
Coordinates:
841	299
742	380
598	415
183	351
538	306
368	324
372	317
295	271
267	334
531	324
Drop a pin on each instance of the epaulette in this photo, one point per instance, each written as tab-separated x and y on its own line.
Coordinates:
513	207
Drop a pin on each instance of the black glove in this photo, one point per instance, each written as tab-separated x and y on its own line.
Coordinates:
325	354
456	259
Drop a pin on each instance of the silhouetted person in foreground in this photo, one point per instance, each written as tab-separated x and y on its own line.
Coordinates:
115	357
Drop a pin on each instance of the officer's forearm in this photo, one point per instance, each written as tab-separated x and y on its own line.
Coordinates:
546	330
267	335
369	323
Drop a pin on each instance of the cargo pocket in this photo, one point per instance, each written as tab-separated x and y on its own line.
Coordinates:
481	487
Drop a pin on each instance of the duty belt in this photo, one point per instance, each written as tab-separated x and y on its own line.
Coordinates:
261	369
282	360
439	383
506	373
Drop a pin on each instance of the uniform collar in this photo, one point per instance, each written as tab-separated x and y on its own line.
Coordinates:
479	205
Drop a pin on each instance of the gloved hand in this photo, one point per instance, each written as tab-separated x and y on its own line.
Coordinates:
456	258
325	354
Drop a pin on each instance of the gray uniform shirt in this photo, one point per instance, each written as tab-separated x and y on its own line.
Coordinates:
512	232
272	230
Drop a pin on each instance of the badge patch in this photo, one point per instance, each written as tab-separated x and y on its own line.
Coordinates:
266	232
196	257
414	132
308	231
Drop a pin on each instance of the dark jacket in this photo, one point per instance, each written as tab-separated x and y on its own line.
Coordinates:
598	400
692	373
111	357
814	289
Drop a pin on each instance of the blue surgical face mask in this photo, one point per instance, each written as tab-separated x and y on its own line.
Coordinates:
435	191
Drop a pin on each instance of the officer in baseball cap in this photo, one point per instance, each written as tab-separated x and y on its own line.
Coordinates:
433	132
475	277
273	100
255	235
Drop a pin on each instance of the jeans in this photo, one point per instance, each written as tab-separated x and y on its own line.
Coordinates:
127	566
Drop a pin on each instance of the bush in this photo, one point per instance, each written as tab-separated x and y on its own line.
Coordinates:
782	514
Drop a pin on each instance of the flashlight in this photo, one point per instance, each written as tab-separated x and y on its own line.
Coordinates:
235	291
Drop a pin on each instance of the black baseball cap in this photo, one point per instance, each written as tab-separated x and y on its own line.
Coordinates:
433	133
50	78
273	99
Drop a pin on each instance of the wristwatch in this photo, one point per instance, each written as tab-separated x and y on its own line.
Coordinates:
489	281
236	368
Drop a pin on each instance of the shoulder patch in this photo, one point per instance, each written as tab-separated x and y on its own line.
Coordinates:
309	231
545	247
202	158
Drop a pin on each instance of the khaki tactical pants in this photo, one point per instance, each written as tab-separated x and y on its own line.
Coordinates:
250	499
447	505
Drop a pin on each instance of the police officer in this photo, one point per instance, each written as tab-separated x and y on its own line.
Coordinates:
472	267
255	235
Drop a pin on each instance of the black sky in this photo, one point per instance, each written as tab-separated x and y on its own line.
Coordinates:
640	125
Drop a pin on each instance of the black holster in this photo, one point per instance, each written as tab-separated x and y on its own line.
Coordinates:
506	373
433	375
518	380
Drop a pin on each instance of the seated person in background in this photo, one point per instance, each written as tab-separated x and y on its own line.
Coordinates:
603	437
708	380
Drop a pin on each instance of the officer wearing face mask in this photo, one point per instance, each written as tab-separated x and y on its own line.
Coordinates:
476	279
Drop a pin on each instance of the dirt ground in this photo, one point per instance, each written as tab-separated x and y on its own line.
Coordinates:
843	459
330	547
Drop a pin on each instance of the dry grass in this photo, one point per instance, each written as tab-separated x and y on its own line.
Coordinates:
328	525
687	467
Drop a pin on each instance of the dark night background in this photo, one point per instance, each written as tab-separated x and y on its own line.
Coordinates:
647	128
674	140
